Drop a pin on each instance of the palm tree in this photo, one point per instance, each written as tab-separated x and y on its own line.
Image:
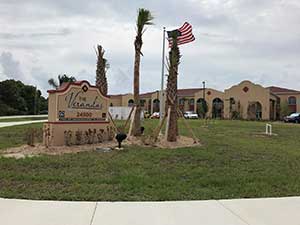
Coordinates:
171	100
61	79
102	66
144	18
53	83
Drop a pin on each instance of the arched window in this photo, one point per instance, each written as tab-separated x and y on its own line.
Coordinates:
142	102
231	104
202	107
192	104
130	102
181	101
292	100
156	105
217	108
292	103
192	101
254	111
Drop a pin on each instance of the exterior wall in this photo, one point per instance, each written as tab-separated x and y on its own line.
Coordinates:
245	93
115	101
254	93
210	95
146	106
125	98
284	98
57	132
52	107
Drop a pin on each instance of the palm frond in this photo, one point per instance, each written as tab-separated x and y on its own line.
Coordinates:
144	18
53	83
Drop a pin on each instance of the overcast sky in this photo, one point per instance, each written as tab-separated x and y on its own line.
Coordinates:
258	40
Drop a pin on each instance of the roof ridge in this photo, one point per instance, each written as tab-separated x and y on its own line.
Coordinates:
281	89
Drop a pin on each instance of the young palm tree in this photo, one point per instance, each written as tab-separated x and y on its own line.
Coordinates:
144	18
102	66
61	79
171	100
53	83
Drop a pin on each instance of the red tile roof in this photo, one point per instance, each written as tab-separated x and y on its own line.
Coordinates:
188	91
275	90
115	96
181	93
147	94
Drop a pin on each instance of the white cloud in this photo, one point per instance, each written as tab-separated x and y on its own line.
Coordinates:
11	67
235	40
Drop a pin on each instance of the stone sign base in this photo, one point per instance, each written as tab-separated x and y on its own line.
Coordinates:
77	133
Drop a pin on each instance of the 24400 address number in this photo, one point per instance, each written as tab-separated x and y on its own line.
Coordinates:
84	114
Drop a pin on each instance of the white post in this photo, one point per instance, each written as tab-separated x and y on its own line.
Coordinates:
168	123
131	122
268	129
161	97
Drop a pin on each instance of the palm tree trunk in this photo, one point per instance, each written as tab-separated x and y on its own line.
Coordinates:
101	80
171	101
173	128
136	87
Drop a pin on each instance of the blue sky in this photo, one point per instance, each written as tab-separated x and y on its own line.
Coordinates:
258	40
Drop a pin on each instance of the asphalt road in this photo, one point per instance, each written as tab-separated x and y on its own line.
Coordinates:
9	124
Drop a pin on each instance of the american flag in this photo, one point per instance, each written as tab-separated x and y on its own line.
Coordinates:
184	34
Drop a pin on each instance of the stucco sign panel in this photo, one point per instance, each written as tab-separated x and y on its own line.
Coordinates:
81	103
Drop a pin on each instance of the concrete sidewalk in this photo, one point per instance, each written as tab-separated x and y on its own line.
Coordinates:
23	116
10	124
268	211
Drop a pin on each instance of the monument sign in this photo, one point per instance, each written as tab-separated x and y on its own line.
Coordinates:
77	114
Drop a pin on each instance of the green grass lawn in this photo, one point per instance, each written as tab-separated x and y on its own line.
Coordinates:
16	135
23	119
235	161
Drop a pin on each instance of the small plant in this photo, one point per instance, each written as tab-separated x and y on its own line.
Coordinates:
235	115
68	137
284	109
78	135
202	109
90	136
110	134
237	112
33	135
86	137
94	138
47	136
30	136
100	136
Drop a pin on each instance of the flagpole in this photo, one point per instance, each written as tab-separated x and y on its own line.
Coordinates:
161	100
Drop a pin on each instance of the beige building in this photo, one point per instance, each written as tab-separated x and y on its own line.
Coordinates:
245	100
287	96
250	101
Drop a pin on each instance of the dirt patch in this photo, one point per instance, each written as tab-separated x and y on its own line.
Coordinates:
182	142
39	149
263	134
